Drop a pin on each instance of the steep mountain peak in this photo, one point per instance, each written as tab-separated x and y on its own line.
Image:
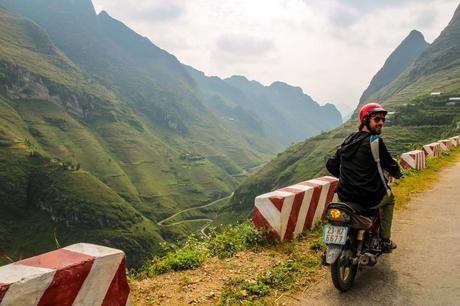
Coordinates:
242	81
240	78
416	34
78	7
402	57
284	87
104	14
456	16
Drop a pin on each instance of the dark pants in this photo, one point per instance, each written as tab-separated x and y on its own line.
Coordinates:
386	207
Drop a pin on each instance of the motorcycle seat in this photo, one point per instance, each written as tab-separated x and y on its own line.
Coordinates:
358	221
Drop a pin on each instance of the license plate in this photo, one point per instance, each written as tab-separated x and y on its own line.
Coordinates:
333	234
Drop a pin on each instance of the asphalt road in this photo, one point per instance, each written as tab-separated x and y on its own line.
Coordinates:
423	270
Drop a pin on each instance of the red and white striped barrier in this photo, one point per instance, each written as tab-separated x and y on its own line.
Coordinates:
455	141
80	274
413	159
432	149
446	144
288	211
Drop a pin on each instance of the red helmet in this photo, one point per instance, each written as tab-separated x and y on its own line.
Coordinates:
369	109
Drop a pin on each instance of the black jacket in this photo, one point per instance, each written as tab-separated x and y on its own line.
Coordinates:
354	165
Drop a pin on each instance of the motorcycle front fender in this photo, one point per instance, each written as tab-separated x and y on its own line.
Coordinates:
333	252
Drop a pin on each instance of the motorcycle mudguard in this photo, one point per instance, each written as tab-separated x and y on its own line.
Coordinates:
333	252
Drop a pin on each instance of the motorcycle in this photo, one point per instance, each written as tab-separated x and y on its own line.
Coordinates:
352	241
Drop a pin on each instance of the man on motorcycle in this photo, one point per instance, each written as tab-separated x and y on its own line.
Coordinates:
360	183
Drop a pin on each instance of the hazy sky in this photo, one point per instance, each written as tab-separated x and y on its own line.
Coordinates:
330	48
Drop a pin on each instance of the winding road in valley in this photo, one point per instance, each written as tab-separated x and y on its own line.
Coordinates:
423	270
162	222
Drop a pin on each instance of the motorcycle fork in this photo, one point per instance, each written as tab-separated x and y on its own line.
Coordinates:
359	244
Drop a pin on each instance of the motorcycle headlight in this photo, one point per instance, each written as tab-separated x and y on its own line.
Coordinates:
337	215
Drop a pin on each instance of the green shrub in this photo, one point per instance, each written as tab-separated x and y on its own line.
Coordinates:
318	245
281	277
190	256
236	238
226	243
237	289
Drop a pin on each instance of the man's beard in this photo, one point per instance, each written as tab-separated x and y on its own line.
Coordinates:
373	130
376	131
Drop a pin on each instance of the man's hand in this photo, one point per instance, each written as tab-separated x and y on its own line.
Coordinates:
391	180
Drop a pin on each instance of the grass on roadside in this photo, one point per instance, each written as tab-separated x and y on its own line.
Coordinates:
420	180
293	273
230	240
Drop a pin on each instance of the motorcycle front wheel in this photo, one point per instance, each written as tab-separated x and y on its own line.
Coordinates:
343	271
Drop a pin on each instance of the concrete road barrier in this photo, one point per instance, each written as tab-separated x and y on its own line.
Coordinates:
288	211
80	274
414	159
446	144
432	149
455	141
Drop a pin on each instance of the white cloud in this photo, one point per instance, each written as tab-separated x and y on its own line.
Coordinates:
330	48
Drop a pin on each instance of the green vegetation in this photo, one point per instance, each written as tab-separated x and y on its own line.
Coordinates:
417	181
286	276
224	243
122	119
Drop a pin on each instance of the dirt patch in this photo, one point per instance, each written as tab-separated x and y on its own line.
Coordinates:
203	285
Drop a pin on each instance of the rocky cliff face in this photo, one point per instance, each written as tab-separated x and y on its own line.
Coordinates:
401	58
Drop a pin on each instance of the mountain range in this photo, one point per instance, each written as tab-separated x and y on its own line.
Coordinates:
103	134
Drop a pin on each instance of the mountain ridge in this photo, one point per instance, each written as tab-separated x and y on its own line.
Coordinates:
88	113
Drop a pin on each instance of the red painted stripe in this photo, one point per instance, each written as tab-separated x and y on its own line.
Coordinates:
313	203
58	259
425	151
289	234
66	284
261	223
330	196
258	219
118	292
3	290
277	201
72	270
404	164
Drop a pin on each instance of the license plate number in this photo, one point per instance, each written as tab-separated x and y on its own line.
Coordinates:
333	234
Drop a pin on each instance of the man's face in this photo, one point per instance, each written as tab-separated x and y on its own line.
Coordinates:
376	123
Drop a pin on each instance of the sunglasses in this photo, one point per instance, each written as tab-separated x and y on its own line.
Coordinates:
378	119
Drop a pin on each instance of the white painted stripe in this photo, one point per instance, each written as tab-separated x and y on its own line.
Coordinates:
335	198
318	182
92	249
100	277
300	187
276	193
129	301
27	283
270	213
285	214
429	150
321	202
303	211
409	160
